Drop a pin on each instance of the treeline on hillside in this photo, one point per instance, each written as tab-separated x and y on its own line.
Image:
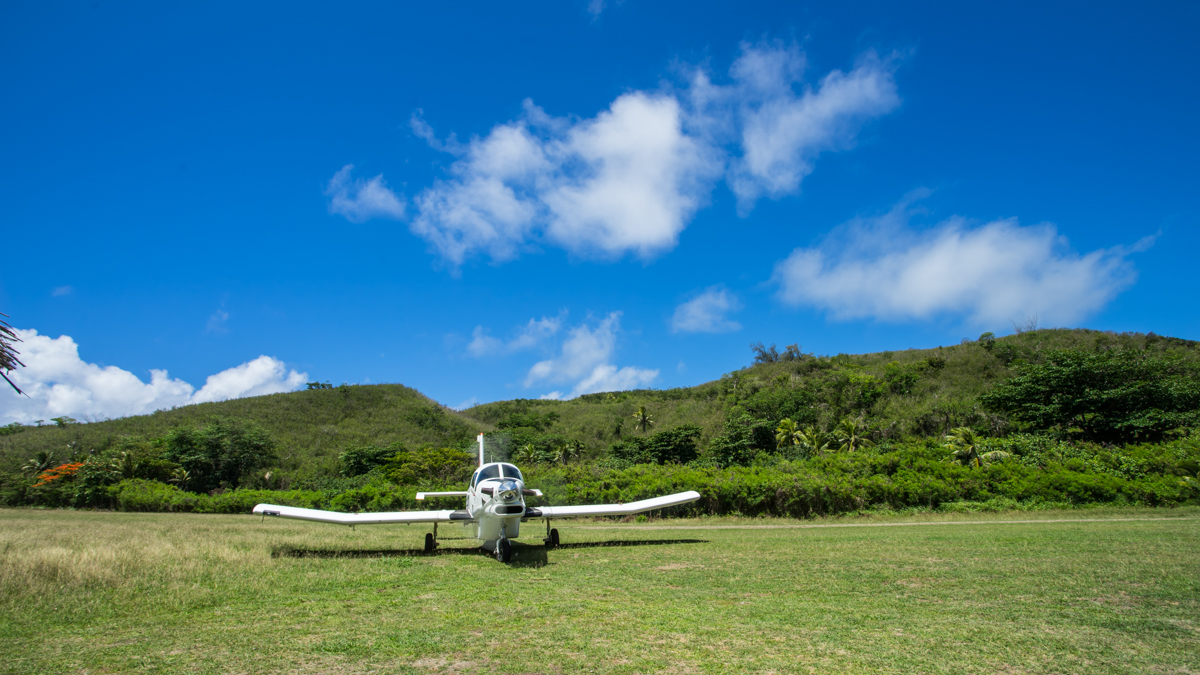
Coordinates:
993	419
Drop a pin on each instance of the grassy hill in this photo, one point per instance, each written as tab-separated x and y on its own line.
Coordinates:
916	392
310	427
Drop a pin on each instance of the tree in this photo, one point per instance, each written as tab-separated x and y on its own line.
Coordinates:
1104	396
764	354
964	448
787	434
362	459
218	454
8	355
525	454
851	434
814	440
676	445
642	420
745	437
42	460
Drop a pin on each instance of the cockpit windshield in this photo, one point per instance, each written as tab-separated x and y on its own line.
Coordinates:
484	473
511	471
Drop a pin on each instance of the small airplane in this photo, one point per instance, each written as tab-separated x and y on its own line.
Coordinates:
495	509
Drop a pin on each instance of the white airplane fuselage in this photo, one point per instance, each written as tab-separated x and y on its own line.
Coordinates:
496	502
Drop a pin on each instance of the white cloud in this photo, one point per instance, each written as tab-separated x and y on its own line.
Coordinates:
706	313
595	8
629	180
264	375
606	377
529	336
584	360
992	273
61	291
782	133
360	200
59	383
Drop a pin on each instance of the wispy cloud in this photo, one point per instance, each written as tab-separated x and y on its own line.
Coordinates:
217	322
584	361
360	200
59	383
707	313
528	336
61	291
989	273
630	179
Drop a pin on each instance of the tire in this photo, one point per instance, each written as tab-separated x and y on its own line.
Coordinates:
503	550
429	542
553	538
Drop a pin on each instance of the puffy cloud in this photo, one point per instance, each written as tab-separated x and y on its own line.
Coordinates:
630	179
991	273
706	313
59	383
627	180
264	375
360	200
529	336
584	360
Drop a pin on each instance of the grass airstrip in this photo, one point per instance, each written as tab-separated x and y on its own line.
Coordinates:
1080	591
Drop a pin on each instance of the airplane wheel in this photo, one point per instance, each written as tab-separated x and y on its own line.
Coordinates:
429	542
553	538
503	550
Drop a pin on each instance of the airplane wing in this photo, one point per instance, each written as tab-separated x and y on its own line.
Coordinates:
612	509
339	518
422	495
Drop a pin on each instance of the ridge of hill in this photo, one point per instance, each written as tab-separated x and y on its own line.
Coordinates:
919	392
310	427
914	392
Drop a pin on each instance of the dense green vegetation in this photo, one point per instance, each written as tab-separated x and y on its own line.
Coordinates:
944	593
1049	416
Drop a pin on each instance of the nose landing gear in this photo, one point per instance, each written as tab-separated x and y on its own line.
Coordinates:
503	550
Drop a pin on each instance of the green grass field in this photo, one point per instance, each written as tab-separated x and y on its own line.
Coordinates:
1117	592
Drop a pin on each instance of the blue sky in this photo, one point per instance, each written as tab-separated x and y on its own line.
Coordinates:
497	201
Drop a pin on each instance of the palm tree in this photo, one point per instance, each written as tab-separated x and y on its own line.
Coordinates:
788	434
8	355
850	434
524	454
568	451
642	420
814	440
41	461
964	446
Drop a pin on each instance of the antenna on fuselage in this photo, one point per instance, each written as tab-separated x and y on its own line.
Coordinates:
480	449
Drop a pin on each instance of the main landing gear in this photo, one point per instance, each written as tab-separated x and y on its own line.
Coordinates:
551	537
431	540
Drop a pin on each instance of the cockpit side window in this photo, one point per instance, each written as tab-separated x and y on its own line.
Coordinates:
490	471
511	471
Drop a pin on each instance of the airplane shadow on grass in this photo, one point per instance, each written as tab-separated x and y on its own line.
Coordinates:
524	555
